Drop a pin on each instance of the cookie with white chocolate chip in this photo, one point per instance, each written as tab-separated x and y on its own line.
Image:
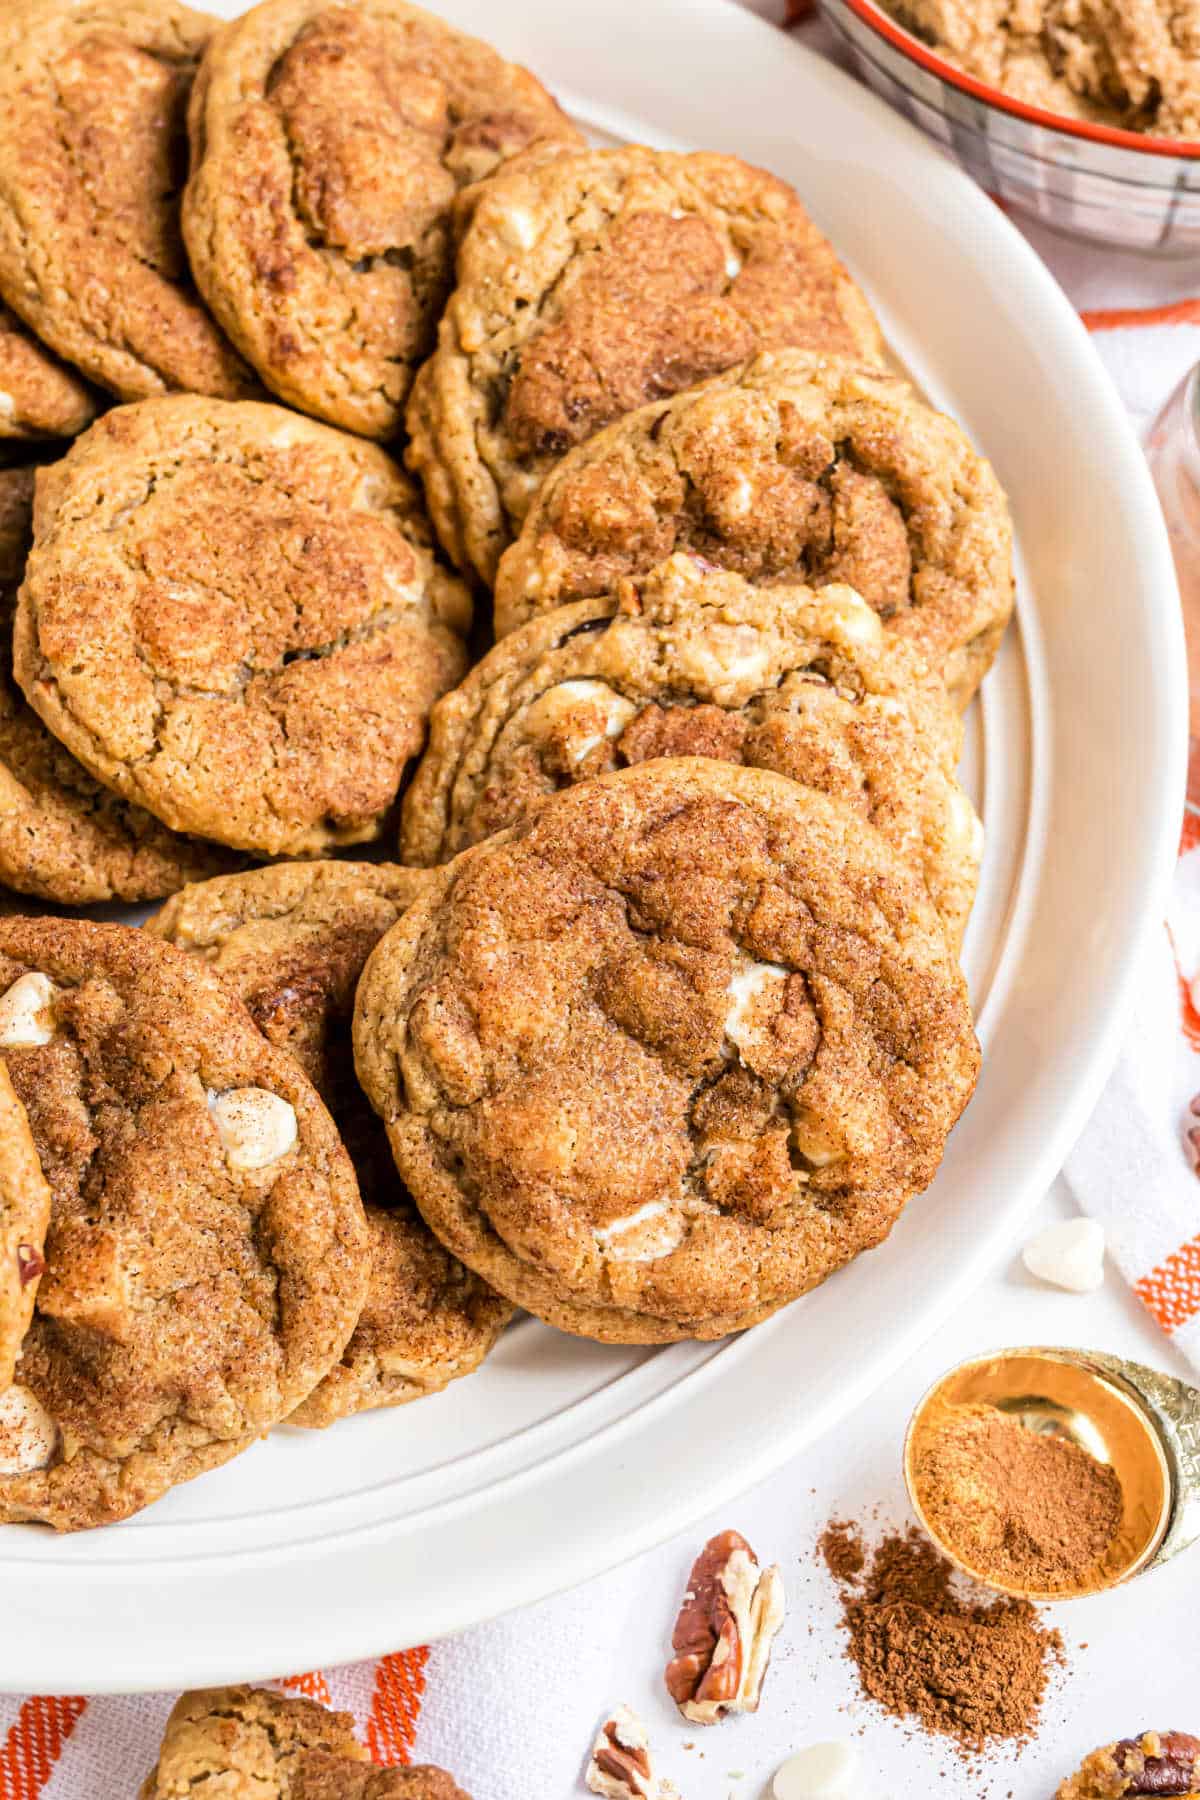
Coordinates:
794	467
206	1256
669	1052
24	1216
591	283
329	145
693	660
252	1744
291	940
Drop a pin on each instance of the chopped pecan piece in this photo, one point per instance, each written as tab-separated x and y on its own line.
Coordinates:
30	1264
727	1624
1159	1763
620	1765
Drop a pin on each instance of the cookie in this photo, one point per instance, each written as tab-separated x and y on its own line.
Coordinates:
39	396
232	616
1156	1762
796	467
291	940
63	837
93	154
206	1257
329	142
248	1743
24	1216
668	1053
696	661
590	284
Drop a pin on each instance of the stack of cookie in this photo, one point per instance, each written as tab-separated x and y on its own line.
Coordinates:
657	1021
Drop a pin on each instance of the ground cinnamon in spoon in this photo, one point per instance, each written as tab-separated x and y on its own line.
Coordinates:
971	1670
1029	1510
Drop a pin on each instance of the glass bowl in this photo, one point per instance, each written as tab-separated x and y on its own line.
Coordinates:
1120	188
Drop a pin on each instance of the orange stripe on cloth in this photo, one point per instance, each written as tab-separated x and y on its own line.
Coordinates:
396	1706
1171	1293
1179	312
313	1685
35	1743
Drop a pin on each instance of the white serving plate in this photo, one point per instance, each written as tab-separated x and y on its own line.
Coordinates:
560	1457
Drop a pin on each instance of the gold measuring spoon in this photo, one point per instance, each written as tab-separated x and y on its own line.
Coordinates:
1144	1424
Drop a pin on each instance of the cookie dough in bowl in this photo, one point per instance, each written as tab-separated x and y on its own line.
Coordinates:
590	284
798	467
206	1256
692	660
39	396
330	139
93	156
668	1053
291	941
233	616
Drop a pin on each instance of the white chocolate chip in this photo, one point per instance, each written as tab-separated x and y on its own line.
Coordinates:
518	228
747	986
28	1435
653	1230
1069	1255
27	1012
741	499
964	826
855	619
8	406
821	1772
733	265
255	1126
729	663
595	710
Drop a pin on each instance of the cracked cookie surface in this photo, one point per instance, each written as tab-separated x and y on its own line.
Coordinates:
93	155
251	1744
24	1216
63	837
292	941
206	1257
691	660
795	467
591	283
666	1054
233	617
39	396
329	144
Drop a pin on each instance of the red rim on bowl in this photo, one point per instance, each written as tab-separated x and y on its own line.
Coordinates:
920	53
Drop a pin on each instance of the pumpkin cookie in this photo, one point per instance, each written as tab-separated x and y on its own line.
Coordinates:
589	284
251	1744
1157	1762
233	616
64	838
668	1053
796	467
24	1216
329	143
93	154
39	396
695	661
206	1258
291	940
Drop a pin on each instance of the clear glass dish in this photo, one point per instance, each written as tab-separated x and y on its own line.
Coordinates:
1120	188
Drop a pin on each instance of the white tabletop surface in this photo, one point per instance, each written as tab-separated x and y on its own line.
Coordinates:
1133	1656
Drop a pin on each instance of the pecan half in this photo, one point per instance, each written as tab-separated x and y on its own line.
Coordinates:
30	1264
727	1623
620	1765
1159	1762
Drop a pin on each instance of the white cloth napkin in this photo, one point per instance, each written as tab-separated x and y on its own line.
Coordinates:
511	1706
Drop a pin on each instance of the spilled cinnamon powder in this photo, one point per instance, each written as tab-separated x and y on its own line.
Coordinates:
972	1670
